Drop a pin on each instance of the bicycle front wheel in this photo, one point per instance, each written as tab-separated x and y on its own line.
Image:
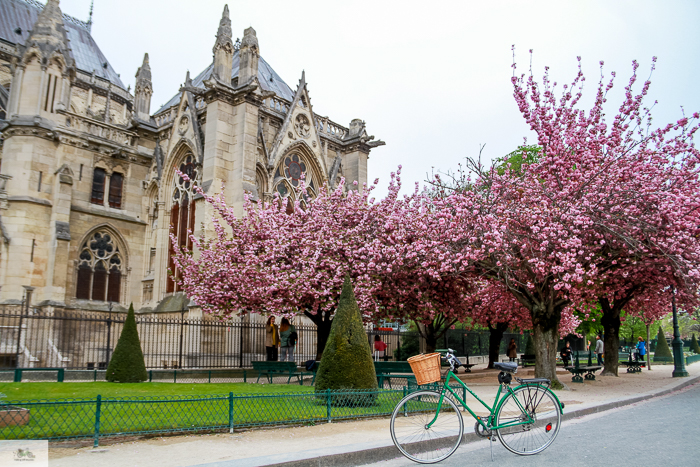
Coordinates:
535	415
419	439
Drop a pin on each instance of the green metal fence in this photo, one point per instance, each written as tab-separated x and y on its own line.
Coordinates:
95	418
692	359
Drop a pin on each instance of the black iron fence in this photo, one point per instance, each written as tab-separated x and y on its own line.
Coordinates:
40	338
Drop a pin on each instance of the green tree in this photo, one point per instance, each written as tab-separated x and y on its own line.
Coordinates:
694	346
663	352
347	359
127	364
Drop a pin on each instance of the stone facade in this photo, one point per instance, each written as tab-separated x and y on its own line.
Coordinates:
88	185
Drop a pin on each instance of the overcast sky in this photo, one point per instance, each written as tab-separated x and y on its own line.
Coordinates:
431	78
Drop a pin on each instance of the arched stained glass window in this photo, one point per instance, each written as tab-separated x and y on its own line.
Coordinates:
100	268
181	215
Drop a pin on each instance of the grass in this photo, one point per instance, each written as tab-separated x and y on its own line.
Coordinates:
68	410
41	391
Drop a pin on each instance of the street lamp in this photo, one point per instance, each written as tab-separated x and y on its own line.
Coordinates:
678	362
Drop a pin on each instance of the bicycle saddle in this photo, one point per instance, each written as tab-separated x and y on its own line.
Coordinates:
510	367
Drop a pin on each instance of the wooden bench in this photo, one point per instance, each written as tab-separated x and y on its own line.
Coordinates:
588	371
289	369
388	370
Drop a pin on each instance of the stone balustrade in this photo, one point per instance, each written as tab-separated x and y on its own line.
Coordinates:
101	129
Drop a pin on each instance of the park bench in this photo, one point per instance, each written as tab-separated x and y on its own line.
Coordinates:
388	370
633	365
60	373
527	359
588	371
289	369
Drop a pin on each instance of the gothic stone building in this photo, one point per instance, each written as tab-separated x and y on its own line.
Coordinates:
88	188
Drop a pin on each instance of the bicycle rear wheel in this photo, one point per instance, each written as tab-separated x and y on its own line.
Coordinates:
542	407
413	437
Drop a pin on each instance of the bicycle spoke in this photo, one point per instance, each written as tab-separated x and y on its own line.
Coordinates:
412	435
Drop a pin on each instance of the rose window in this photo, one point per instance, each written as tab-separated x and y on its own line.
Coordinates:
294	168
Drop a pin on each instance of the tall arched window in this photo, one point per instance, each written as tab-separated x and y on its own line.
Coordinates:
181	215
100	268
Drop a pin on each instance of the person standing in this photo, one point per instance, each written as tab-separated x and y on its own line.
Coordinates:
288	334
566	354
272	339
379	348
599	350
641	349
512	350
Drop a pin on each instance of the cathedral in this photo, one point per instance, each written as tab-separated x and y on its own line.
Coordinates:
89	192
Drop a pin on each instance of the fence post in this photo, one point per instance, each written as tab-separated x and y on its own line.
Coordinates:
230	412
405	393
109	333
328	405
98	409
174	376
210	376
95	376
150	376
18	375
61	375
245	376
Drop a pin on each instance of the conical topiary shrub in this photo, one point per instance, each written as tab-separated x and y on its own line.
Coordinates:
663	352
694	346
127	365
347	359
530	345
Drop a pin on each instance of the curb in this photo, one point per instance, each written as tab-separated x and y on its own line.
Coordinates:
340	456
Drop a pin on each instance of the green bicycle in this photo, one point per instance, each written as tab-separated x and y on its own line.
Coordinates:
427	426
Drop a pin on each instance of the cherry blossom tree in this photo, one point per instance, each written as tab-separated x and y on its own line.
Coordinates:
542	230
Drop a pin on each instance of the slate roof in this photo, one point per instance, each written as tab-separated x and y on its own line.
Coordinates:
269	80
88	56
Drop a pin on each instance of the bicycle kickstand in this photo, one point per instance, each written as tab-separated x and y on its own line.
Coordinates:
492	439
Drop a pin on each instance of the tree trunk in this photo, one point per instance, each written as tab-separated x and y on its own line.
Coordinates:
323	322
434	330
495	338
611	335
546	340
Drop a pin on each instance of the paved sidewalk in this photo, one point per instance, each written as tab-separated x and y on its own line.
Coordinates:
350	443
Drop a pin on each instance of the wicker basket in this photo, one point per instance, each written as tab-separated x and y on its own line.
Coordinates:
426	368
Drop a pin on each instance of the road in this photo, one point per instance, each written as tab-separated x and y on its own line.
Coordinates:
662	431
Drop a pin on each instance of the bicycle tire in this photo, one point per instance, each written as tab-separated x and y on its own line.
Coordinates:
531	438
409	433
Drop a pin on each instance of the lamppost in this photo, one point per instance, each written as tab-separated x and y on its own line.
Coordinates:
678	362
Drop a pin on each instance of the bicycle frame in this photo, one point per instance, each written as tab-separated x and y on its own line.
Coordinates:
492	410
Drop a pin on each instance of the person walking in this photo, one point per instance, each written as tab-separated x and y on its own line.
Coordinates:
379	348
512	350
272	339
599	350
641	349
566	354
288	339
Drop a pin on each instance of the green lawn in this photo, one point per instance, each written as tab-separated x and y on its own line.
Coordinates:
161	407
40	391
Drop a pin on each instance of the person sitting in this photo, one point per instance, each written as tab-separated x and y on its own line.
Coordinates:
566	354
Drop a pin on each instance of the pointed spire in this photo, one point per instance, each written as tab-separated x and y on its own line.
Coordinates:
89	22
143	90
249	56
223	49
49	32
188	80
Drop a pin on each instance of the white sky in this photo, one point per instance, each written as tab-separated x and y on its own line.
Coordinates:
432	79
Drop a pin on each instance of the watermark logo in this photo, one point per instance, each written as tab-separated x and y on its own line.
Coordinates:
29	452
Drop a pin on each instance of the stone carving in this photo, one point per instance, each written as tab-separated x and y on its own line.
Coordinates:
183	125
291	135
302	125
62	230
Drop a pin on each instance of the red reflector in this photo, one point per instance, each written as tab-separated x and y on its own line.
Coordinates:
549	427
